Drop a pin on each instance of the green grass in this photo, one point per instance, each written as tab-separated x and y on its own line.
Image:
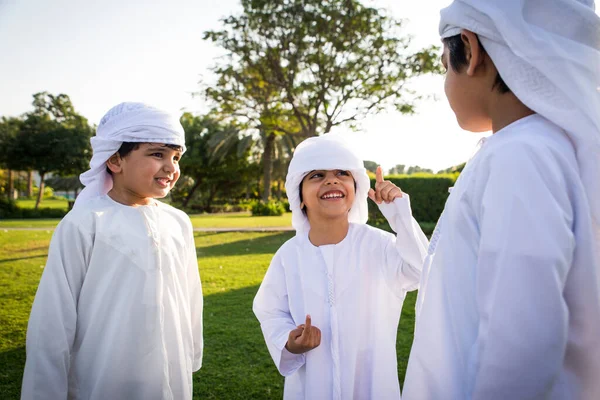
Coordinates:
239	220
46	203
233	220
236	364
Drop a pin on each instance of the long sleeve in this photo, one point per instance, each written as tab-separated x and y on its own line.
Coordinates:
405	254
525	252
272	310
196	302
53	320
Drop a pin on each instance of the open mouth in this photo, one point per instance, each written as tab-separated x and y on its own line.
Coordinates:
164	182
332	195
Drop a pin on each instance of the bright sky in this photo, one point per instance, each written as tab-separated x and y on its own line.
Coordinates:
101	53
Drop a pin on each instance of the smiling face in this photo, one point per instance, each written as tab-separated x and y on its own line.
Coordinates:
328	194
148	172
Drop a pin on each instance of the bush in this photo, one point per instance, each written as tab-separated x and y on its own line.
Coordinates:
271	208
428	194
9	209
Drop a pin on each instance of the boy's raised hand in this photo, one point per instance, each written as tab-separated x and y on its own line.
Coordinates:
304	338
384	190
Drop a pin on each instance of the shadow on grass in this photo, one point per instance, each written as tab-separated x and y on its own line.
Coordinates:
11	373
236	364
267	244
5	260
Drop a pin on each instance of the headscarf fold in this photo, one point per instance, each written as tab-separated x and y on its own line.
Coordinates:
548	54
326	153
126	122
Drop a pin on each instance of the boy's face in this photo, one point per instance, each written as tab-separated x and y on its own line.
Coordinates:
328	194
150	171
468	89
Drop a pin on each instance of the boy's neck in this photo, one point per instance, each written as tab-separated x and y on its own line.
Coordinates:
129	198
328	231
505	109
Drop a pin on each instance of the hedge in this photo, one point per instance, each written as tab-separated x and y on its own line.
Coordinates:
9	209
428	195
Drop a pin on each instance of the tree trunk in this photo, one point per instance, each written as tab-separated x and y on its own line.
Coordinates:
267	164
191	193
41	192
29	183
11	185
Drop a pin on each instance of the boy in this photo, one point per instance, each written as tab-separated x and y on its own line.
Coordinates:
118	312
330	303
511	304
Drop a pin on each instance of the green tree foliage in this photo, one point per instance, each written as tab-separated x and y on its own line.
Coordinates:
9	129
397	170
325	62
208	171
371	166
457	168
52	138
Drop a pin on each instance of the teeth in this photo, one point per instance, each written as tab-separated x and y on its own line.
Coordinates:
333	196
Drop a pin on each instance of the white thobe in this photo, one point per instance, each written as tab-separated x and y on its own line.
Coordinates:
354	292
509	305
118	311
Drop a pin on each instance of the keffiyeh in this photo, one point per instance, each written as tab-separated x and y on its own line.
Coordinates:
126	122
548	53
326	153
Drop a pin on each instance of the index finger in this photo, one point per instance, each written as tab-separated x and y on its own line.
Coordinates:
379	175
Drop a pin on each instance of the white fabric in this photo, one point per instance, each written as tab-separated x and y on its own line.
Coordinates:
509	304
126	122
548	53
118	311
354	292
326	152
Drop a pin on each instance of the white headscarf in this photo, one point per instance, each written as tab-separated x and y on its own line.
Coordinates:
326	153
548	53
126	122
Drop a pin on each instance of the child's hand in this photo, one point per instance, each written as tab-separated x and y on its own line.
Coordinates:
304	338
384	190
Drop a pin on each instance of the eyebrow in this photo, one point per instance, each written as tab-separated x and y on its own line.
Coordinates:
162	149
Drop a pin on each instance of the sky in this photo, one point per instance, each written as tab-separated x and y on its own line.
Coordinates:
101	53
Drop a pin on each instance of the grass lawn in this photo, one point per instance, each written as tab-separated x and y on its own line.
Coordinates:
236	364
46	203
232	220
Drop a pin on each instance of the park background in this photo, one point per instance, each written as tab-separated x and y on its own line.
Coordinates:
250	79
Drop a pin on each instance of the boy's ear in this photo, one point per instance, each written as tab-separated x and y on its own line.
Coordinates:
114	163
473	51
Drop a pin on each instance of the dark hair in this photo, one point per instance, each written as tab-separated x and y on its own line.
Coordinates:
300	190
128	147
458	60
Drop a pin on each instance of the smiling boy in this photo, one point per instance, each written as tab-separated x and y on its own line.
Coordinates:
509	305
330	302
118	311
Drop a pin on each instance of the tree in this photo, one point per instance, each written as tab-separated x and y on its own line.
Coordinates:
213	171
397	170
457	168
52	138
65	183
323	63
371	166
416	169
9	129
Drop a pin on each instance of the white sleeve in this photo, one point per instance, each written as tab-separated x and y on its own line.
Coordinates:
272	310
404	255
196	301
53	320
525	252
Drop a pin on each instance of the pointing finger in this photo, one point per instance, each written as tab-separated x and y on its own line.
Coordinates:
379	175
